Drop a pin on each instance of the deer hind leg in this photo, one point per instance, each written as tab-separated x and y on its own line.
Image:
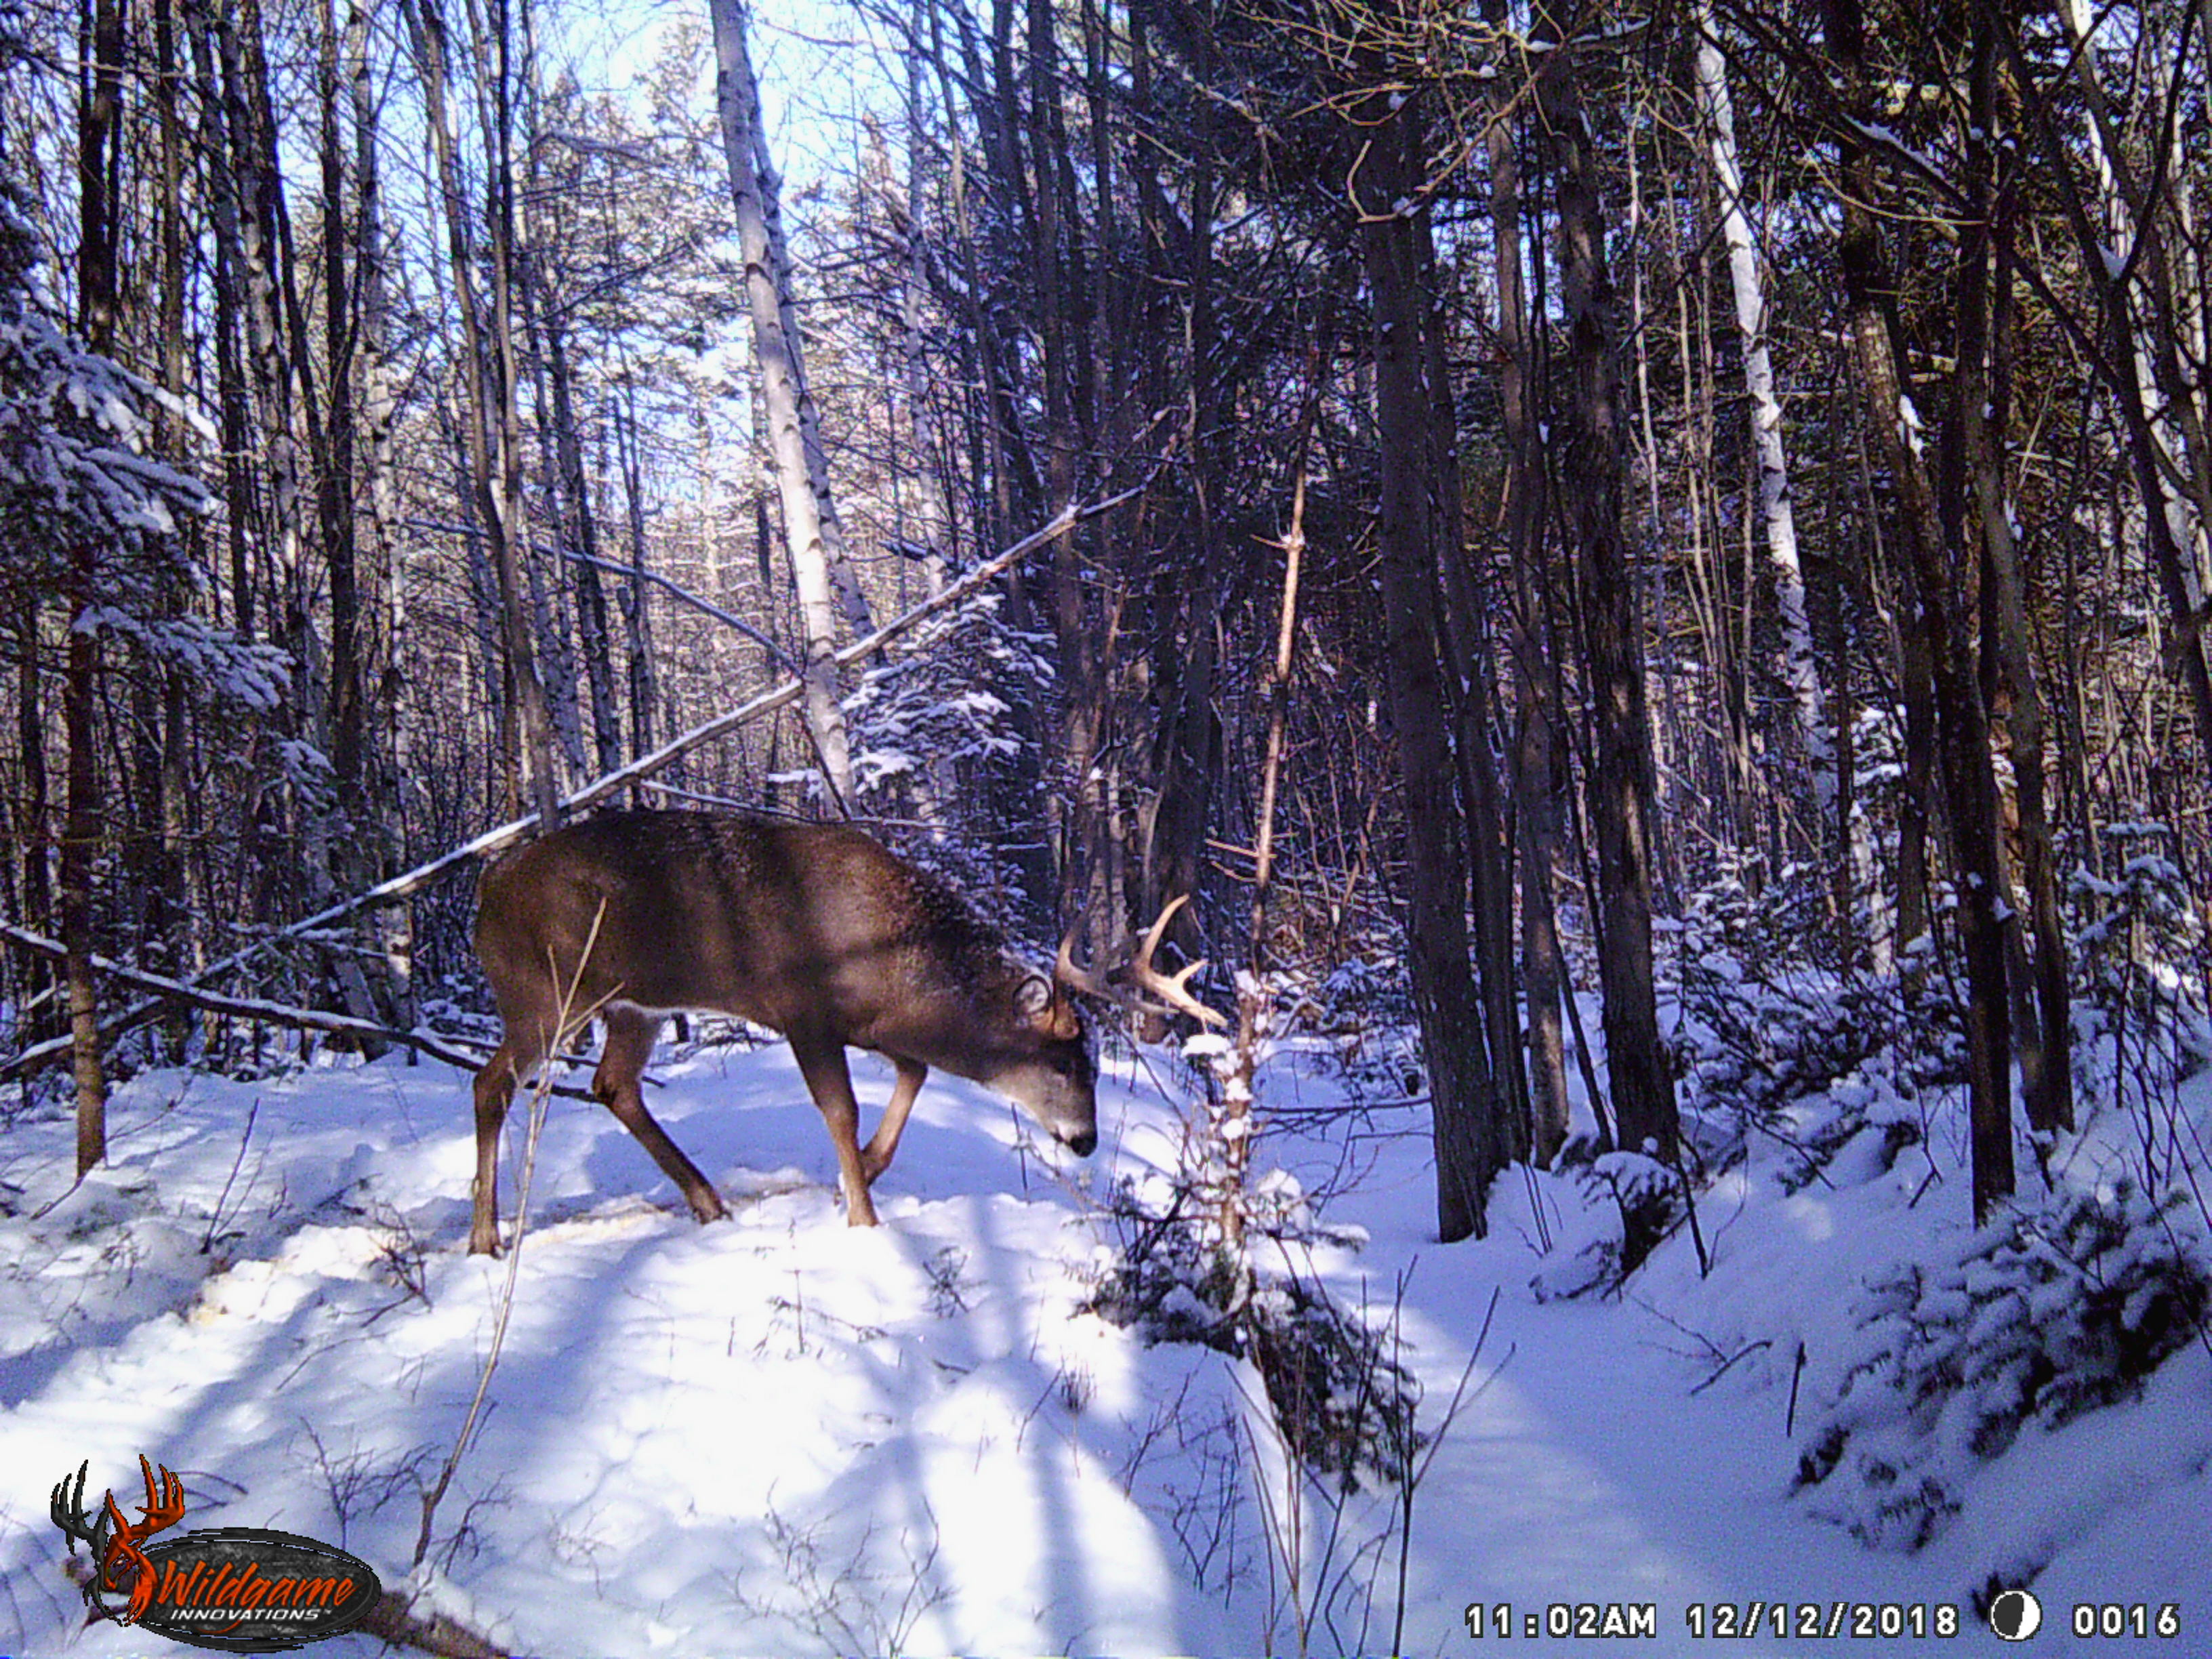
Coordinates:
876	1156
494	1088
823	1065
631	1033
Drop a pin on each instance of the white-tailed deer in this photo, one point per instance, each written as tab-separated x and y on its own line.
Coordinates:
813	930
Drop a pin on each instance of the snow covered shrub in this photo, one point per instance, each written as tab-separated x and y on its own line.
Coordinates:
2039	1317
1167	1274
1868	1123
1366	1007
2131	936
1343	1401
1765	1024
1341	1398
1648	1200
937	727
2151	894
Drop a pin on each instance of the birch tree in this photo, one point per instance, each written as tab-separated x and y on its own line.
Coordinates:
1778	517
751	189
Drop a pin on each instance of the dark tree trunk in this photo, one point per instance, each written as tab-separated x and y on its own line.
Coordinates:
2042	1020
99	176
1467	1121
1464	633
1591	438
490	424
80	846
637	621
335	485
1537	773
1931	555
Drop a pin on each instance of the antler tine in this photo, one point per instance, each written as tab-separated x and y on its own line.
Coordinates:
1171	988
1067	971
1159	930
164	1509
67	1508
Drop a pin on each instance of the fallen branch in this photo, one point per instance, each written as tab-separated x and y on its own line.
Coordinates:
273	1014
627	573
393	1619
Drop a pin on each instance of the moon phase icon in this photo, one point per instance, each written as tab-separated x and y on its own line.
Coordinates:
2015	1615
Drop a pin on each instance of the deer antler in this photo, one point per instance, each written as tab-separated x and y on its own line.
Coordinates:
164	1509
67	1508
1172	989
1067	971
113	1541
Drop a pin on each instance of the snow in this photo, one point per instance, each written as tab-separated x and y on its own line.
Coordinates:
780	1434
1909	426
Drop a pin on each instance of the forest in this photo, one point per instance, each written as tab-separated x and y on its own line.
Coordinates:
1616	592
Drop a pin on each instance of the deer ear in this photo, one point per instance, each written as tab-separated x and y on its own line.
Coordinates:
1033	997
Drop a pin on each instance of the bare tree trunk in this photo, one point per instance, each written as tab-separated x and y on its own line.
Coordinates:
1799	666
1593	473
1085	873
1970	789
334	482
223	211
933	515
37	829
739	99
843	577
1536	772
173	925
80	835
2044	1025
577	526
390	776
637	621
1253	996
99	172
1189	743
2141	363
1463	631
1463	1103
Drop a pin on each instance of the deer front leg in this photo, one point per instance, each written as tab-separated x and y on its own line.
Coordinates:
876	1156
823	1065
631	1033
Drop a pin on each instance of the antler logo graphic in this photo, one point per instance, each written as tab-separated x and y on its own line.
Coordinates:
120	1565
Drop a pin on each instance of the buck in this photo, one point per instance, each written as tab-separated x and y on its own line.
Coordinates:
816	930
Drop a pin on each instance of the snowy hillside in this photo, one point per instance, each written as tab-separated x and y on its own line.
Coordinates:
778	1434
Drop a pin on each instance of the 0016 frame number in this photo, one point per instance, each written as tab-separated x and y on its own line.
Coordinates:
2126	1618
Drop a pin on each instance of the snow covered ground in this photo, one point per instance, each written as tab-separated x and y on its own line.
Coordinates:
780	1434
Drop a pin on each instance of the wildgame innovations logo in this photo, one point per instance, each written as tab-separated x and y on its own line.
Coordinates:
238	1589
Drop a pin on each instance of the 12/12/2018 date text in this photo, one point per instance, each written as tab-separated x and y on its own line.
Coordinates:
1878	1620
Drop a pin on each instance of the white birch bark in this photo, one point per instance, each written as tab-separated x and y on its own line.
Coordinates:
739	98
842	577
2120	220
1800	668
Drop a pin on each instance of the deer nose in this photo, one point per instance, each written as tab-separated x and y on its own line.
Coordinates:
1082	1143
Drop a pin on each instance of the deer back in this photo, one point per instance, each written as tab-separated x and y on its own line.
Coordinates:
814	929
